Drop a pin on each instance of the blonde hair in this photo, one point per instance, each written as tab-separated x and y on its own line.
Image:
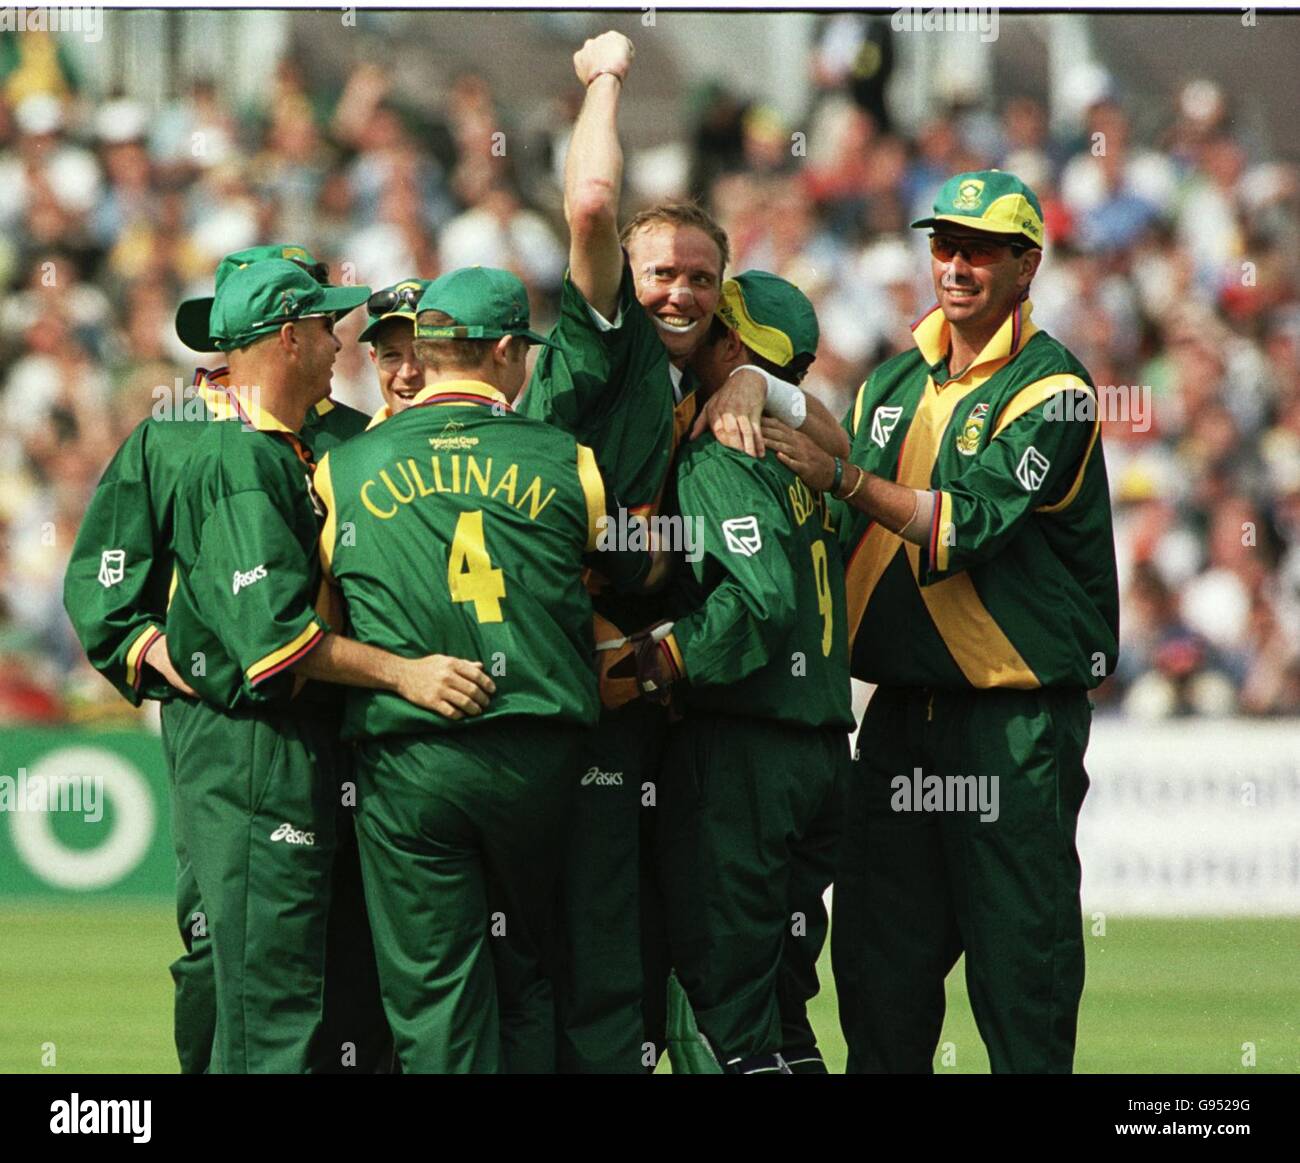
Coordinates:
440	355
679	213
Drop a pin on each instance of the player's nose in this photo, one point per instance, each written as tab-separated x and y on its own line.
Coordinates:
960	267
681	295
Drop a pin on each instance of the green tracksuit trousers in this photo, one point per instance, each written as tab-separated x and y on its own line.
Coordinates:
920	881
748	825
611	942
257	801
195	1004
460	837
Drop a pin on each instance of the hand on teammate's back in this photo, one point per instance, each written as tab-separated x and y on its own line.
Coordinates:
800	454
610	52
451	687
735	412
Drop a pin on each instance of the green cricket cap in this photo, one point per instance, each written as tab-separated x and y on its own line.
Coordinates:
988	200
485	302
259	298
399	297
192	315
772	316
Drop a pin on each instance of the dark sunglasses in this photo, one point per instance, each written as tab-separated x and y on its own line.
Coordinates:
977	254
382	302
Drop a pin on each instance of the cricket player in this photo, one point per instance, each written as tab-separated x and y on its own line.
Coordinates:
634	306
355	1037
390	331
115	592
259	773
757	656
328	421
982	599
461	525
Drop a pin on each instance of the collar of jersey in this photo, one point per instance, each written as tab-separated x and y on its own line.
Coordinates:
213	392
934	337
211	386
452	392
250	412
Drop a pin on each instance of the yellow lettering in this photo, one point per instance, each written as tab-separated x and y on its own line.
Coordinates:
472	470
471	576
825	600
392	488
800	501
369	504
508	482
455	474
533	495
419	481
438	486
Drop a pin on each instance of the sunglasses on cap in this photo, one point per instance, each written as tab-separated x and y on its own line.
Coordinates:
977	253
382	302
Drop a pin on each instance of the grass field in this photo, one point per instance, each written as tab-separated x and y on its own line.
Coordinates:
1162	996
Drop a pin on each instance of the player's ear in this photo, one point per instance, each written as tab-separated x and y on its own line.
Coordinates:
1029	265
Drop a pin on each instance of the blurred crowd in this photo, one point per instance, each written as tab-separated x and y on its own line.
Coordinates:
1170	272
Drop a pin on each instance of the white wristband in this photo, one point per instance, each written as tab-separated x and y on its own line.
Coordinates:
917	530
784	401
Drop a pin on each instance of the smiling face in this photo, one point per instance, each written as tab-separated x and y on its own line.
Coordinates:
678	274
975	299
401	374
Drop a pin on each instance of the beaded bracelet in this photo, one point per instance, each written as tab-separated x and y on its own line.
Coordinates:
839	476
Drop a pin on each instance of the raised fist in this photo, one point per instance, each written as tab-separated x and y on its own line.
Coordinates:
610	52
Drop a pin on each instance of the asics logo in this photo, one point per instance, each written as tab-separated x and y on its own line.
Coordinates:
290	835
603	778
242	581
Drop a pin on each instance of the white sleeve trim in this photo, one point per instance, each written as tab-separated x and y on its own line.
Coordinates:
603	324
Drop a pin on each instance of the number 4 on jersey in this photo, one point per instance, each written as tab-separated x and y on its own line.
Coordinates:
470	575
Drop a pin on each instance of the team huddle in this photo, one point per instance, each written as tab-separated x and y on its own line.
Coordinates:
460	782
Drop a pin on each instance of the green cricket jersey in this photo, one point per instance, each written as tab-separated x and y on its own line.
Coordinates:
328	424
613	389
119	575
247	570
459	527
761	629
1017	585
